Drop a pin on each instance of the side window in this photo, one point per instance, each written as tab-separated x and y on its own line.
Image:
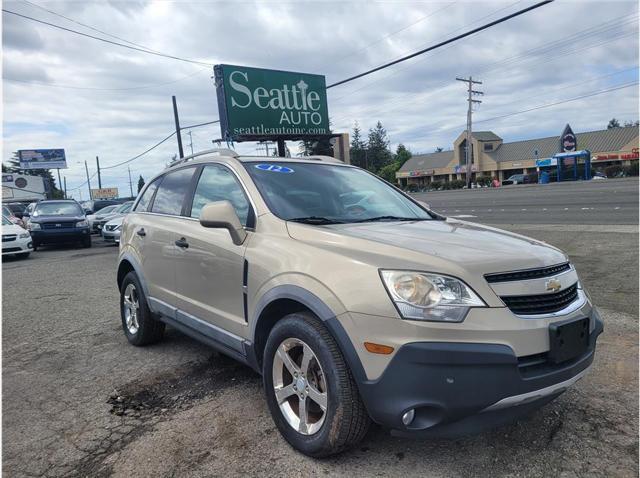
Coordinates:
145	200
171	192
217	183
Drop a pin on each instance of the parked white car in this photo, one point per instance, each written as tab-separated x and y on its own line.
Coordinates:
111	230
105	211
15	239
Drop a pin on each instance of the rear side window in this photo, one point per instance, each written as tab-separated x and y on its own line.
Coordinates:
217	183
172	191
145	200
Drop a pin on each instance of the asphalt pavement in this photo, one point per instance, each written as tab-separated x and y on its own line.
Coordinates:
607	201
79	401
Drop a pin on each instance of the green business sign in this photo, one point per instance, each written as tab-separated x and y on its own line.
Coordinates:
257	104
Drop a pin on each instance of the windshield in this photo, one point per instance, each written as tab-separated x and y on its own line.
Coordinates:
6	211
58	209
323	194
123	208
107	210
5	221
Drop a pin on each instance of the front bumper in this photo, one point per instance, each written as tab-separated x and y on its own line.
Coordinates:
18	246
462	388
48	236
111	236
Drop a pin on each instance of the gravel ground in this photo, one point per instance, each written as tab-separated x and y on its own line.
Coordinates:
79	401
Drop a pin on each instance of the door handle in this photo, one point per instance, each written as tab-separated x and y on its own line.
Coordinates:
141	233
182	242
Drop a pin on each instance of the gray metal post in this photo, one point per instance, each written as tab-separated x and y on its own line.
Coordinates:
99	178
86	168
281	148
468	150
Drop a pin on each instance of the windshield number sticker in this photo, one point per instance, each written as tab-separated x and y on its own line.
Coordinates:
274	168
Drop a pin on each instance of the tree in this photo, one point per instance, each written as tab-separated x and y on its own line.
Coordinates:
140	183
358	149
402	154
388	172
378	154
320	147
439	149
627	124
613	123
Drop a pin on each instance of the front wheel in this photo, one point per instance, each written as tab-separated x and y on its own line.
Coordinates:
309	388
86	242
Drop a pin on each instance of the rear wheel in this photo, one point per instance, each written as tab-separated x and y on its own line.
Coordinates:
138	323
35	245
310	392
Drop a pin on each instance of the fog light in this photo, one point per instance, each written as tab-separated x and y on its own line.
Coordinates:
407	418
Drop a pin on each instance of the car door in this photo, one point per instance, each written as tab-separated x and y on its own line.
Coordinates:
210	273
156	233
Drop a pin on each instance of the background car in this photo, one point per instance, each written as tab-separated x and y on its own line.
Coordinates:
111	230
516	179
93	206
8	213
599	175
15	239
17	209
119	211
105	211
56	221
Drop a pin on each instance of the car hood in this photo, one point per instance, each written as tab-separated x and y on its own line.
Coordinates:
450	244
56	218
12	229
115	221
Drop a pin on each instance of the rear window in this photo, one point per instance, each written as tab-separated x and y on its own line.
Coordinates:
172	191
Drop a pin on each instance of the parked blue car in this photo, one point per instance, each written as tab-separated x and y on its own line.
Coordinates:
58	221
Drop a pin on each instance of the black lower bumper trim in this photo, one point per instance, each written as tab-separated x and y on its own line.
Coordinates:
449	384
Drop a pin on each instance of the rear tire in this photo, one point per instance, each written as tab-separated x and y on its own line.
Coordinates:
138	323
35	245
295	340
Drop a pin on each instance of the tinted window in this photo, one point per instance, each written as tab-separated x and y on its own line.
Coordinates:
145	200
172	191
217	183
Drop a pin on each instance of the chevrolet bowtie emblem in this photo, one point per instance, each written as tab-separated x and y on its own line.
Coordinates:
553	285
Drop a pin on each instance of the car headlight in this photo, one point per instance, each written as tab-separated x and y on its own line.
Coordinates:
33	226
82	224
117	228
25	235
432	297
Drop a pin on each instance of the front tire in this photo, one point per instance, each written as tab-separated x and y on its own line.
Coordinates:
312	396
138	323
86	242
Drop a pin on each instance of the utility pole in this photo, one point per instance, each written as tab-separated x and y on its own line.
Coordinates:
65	187
190	142
282	148
59	181
469	149
130	185
86	168
99	178
175	117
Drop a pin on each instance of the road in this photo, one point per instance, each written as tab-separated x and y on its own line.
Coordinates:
610	201
79	401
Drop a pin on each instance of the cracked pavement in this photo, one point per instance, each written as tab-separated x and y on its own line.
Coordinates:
78	400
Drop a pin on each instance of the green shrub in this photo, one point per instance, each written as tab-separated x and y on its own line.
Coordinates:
632	169
436	185
613	171
457	184
412	188
483	181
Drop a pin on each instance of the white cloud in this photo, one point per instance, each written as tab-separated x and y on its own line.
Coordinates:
547	55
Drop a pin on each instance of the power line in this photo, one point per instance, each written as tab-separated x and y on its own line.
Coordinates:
141	154
164	55
446	42
89	26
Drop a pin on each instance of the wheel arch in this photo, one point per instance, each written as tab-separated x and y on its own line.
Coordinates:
287	299
127	264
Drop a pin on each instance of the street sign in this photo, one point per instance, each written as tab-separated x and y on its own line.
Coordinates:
104	193
257	104
42	159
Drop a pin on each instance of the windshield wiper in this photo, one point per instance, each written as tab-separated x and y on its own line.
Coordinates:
315	220
391	218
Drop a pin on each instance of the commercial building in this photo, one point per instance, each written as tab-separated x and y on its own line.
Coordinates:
492	157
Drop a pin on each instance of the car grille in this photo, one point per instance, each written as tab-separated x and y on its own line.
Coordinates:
58	225
527	274
542	303
11	249
8	237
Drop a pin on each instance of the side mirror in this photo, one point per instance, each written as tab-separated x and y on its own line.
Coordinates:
424	204
222	215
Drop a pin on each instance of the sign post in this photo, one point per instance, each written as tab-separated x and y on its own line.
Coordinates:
258	105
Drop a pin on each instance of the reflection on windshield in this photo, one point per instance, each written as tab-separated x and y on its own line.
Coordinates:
325	194
57	209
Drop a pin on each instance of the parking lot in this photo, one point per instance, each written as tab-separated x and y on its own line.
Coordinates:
78	400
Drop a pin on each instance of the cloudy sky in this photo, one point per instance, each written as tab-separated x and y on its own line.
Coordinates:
62	90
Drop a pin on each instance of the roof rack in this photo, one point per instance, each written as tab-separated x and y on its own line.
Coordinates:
220	151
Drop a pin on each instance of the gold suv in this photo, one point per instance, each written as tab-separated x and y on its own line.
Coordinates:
354	301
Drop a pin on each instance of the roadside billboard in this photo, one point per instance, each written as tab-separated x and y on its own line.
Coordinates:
104	193
42	159
257	104
22	187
